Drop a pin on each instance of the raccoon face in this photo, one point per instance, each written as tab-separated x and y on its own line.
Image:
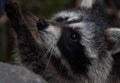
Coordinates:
76	43
72	37
79	44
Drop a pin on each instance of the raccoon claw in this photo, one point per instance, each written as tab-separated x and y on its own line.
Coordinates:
12	10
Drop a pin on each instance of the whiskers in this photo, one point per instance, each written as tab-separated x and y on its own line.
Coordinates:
49	58
31	21
48	55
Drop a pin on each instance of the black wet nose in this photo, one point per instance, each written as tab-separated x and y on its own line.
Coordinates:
42	24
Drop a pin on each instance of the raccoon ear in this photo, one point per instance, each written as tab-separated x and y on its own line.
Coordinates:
87	4
112	36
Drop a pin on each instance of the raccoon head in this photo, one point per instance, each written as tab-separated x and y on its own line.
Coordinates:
76	40
79	43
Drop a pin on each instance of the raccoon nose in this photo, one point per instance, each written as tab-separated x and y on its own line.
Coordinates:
42	24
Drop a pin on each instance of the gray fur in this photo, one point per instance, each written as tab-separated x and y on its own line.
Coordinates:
37	52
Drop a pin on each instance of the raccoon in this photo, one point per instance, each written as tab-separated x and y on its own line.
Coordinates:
74	46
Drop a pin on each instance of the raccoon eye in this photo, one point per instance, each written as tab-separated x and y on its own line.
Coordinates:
74	37
60	19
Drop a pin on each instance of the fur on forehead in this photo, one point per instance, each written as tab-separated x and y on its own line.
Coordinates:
66	14
71	14
77	13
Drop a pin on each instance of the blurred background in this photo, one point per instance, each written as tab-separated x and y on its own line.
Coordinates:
44	8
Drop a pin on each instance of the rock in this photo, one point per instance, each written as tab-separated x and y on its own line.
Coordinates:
18	74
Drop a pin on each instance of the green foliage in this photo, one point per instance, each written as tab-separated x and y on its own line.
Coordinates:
46	7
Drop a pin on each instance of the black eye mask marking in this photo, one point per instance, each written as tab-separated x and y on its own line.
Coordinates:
73	51
61	19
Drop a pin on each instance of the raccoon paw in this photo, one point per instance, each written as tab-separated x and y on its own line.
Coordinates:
12	10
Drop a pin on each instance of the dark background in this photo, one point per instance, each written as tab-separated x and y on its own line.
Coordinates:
44	8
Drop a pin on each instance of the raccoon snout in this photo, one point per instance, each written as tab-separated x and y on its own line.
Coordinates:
42	24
